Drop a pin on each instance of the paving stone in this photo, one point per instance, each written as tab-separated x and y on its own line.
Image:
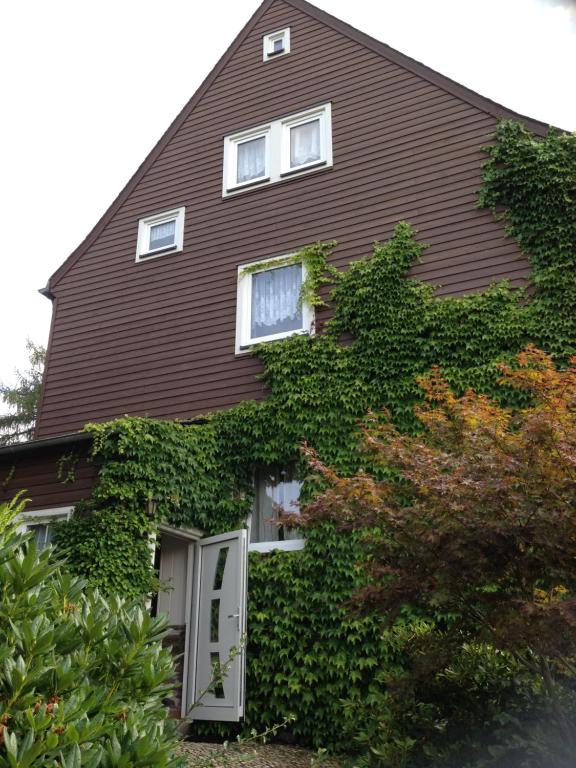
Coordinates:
262	756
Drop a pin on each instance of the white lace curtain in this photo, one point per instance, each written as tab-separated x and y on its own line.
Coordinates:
162	235
251	159
275	296
275	490
304	143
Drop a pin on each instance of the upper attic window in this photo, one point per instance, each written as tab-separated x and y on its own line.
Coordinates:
265	154
159	234
276	44
247	158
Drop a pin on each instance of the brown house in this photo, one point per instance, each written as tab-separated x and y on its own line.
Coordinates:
306	130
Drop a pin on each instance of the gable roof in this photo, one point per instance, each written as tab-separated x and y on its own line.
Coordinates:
451	86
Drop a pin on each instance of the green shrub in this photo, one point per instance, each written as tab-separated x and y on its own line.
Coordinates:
82	678
442	704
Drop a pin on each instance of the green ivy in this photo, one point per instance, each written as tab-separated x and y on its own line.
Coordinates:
317	270
305	652
150	470
531	184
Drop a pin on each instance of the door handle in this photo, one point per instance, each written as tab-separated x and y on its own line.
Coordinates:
237	617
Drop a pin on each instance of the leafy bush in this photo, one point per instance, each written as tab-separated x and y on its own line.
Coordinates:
443	701
472	517
82	678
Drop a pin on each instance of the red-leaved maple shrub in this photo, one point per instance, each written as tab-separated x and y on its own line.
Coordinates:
475	517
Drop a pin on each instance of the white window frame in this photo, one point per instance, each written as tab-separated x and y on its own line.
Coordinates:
269	546
268	44
277	133
43	517
288	545
231	158
322	115
143	251
244	340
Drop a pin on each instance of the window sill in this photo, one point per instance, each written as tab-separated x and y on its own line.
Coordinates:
246	350
302	169
247	185
157	254
292	545
284	178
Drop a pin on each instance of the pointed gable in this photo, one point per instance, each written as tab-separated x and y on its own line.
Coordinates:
159	337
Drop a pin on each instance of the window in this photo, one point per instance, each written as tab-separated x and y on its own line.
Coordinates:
159	234
276	493
276	44
42	534
248	158
303	141
269	305
269	153
41	524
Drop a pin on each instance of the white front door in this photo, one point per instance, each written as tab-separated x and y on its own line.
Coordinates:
218	628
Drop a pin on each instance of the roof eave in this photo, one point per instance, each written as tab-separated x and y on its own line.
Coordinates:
74	438
47	292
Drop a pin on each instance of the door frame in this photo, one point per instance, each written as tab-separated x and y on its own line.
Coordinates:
192	536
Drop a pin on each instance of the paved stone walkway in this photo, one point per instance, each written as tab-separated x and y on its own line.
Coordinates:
266	756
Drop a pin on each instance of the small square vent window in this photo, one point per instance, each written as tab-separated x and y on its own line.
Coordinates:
276	44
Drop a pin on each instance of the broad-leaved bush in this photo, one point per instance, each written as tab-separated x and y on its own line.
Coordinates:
82	677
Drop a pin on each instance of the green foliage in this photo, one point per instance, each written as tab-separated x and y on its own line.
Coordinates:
317	270
23	398
474	518
305	654
81	678
532	739
150	471
531	184
440	702
302	642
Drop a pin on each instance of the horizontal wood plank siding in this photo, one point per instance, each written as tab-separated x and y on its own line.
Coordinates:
37	474
157	338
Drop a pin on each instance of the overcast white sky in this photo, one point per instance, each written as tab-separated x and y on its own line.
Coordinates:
87	87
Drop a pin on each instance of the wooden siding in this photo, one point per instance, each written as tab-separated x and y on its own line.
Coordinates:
157	337
36	473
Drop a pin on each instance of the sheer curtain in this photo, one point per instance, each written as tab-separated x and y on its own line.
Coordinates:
42	535
304	143
275	294
276	491
162	235
251	159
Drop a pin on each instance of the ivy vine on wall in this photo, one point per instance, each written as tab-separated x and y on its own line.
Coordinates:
305	653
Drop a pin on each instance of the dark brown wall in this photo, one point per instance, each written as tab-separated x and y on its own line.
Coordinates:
157	338
37	474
